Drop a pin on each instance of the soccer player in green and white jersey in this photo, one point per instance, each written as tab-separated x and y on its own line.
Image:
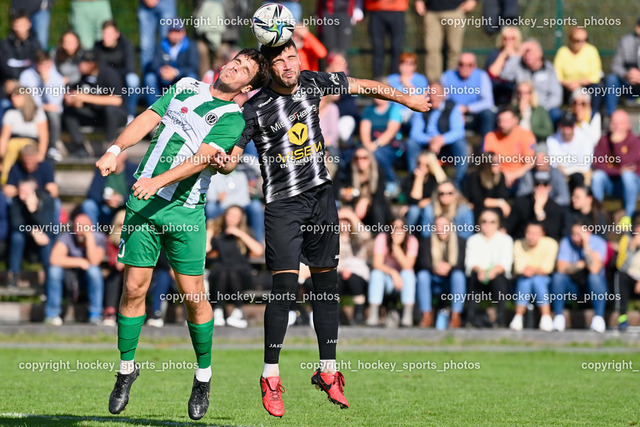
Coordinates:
197	124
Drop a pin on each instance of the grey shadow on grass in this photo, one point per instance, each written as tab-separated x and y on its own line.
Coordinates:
77	421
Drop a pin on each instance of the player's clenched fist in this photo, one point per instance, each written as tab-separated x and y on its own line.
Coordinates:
419	103
106	164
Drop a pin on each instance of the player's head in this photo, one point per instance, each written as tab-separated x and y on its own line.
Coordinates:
284	64
248	70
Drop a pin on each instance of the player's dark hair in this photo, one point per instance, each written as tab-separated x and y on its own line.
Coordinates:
272	52
262	76
508	109
110	23
19	14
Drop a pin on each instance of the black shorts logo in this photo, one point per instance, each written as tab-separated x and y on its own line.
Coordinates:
211	119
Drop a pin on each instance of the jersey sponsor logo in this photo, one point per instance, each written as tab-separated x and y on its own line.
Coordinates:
299	115
184	110
299	95
178	120
298	134
211	119
334	79
265	102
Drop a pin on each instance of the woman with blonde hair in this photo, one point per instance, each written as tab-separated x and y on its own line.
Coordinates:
532	116
588	119
507	44
448	202
421	184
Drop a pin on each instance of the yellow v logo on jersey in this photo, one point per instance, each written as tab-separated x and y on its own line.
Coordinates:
298	134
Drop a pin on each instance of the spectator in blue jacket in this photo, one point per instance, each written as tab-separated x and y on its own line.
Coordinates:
470	87
176	57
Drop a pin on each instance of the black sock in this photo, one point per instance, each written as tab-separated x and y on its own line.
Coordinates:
325	302
276	314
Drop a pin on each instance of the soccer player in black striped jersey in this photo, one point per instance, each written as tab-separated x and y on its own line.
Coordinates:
301	220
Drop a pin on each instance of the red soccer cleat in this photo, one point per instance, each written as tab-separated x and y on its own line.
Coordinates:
272	395
332	384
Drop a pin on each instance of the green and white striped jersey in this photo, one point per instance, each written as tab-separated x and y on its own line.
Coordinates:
190	117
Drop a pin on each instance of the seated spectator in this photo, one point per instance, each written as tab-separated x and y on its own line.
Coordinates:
580	275
115	276
26	124
530	65
408	80
585	208
76	256
508	44
439	130
97	102
470	87
488	261
512	145
559	187
176	57
440	268
485	188
616	160
117	52
394	258
628	265
231	247
587	119
578	66
310	49
4	225
18	50
447	201
67	57
43	75
109	194
570	151
625	70
353	271
30	211
533	117
537	207
421	185
29	166
380	134
365	190
534	258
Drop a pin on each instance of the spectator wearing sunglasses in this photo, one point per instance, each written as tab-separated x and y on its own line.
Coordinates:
448	202
588	119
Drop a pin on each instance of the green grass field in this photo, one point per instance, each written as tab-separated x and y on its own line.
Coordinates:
510	387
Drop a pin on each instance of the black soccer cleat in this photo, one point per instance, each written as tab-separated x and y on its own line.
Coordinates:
199	400
120	394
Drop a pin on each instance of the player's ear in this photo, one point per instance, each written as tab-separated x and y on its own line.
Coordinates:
246	89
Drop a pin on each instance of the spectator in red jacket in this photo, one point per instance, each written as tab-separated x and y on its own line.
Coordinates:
310	49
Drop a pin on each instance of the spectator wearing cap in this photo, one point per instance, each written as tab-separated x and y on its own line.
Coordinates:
559	187
580	272
470	87
537	207
96	102
534	258
512	145
570	150
625	69
616	160
176	57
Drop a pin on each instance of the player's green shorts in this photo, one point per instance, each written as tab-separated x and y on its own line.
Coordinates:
179	230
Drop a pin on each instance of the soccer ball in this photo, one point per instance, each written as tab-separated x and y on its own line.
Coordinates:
272	24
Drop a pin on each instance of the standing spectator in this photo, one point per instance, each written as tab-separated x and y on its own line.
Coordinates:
578	66
18	50
153	17
421	185
209	37
587	119
585	208
440	268
625	70
616	160
559	187
448	202
470	88
176	57
571	151
386	18
436	14
441	131
488	261
512	145
84	107
67	57
408	80
628	276
534	258
115	276
580	271
394	258
531	66
49	96
86	19
76	256
116	51
344	14
507	45
486	189
39	12
310	49
533	117
31	210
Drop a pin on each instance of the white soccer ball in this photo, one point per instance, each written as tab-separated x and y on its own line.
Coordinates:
273	24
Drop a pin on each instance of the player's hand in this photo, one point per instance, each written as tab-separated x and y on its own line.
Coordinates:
418	103
106	164
219	159
145	188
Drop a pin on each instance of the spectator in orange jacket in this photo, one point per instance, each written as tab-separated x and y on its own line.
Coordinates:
310	49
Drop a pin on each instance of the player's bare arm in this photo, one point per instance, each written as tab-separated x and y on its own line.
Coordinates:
130	136
226	164
379	90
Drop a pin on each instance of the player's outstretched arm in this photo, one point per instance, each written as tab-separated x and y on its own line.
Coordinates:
374	89
230	162
130	136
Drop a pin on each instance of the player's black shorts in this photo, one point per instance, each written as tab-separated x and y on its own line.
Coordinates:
303	228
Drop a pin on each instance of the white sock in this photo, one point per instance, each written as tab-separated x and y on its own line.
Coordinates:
127	367
203	375
270	370
328	366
